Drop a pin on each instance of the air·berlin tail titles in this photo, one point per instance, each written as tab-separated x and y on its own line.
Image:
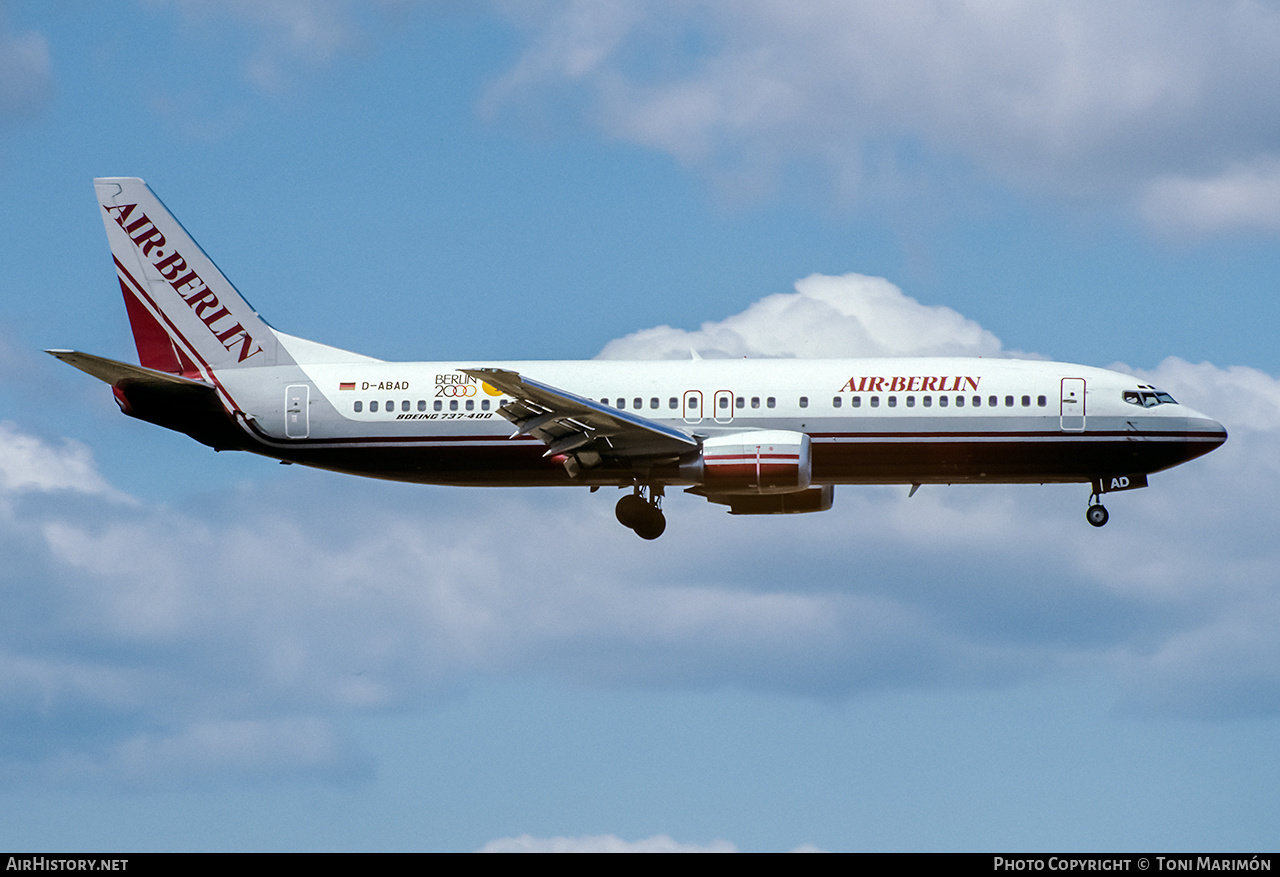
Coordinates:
185	282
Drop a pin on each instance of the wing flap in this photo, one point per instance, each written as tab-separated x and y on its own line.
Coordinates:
570	423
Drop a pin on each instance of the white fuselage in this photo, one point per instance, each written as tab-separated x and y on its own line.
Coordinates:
918	420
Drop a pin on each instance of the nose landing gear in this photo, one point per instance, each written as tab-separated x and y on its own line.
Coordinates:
642	514
1097	514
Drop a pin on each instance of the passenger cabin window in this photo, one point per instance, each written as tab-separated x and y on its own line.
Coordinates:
739	402
911	401
1008	401
835	401
755	401
1026	401
653	403
471	404
437	405
942	401
804	401
453	404
875	401
673	403
637	403
1041	401
484	404
373	407
622	403
359	406
404	406
771	402
893	401
856	402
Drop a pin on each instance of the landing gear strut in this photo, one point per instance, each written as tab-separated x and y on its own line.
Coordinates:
642	514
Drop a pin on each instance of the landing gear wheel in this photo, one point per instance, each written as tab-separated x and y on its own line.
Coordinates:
1097	515
630	510
652	524
642	511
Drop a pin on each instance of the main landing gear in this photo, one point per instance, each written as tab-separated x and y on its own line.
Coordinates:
641	513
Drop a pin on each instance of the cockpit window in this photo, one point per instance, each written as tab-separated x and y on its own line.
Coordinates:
1148	398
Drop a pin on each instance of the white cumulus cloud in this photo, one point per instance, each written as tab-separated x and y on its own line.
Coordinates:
28	464
1244	196
826	317
1081	97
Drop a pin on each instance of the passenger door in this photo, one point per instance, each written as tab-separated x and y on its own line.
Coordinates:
1072	410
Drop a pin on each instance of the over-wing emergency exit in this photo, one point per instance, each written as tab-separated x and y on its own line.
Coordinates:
758	436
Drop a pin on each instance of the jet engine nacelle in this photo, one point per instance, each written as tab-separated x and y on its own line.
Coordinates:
767	461
815	499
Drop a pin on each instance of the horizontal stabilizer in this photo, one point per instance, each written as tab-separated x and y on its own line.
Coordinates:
114	373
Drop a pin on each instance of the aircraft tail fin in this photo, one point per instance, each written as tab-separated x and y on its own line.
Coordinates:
187	318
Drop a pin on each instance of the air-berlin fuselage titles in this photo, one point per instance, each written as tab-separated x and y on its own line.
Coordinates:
912	384
759	436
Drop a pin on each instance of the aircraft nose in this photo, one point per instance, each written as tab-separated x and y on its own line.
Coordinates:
1218	431
1210	429
1204	434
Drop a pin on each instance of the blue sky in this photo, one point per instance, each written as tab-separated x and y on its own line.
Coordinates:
209	651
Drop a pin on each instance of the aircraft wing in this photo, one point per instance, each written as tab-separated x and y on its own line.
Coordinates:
569	423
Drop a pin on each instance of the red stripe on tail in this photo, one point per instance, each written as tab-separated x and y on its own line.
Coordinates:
155	347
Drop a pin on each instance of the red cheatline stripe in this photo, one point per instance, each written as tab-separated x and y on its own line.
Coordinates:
771	459
1043	434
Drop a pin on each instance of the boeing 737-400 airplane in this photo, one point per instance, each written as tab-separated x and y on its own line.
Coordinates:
759	436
